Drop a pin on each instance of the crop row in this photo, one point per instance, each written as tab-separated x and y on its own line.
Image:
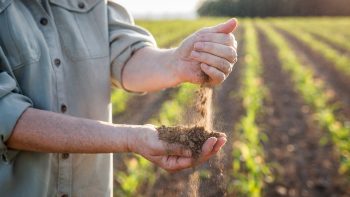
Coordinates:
249	167
333	24
341	62
334	38
329	29
333	32
312	92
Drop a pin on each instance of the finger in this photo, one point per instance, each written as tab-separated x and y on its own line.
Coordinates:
208	146
214	74
220	63
223	135
219	144
220	38
207	149
219	50
235	43
235	61
226	27
176	150
175	163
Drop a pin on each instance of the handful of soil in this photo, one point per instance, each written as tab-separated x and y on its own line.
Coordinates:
191	138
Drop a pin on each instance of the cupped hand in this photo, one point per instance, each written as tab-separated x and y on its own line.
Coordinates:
171	157
211	50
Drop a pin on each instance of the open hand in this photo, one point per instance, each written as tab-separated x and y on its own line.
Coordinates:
171	157
211	50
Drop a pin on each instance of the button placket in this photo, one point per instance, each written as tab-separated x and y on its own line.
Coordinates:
65	159
65	173
51	36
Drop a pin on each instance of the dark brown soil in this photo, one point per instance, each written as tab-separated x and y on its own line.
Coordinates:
191	138
302	166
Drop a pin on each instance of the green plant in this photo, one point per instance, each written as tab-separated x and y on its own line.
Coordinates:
119	99
312	92
341	62
249	166
139	173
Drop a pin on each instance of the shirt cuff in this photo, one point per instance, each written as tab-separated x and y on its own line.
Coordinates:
12	107
118	65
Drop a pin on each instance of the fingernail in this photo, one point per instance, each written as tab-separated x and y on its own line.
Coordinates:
214	138
194	54
223	135
225	140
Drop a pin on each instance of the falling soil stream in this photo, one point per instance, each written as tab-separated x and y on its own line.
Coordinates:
227	112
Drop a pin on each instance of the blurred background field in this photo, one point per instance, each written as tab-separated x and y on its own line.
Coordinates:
285	107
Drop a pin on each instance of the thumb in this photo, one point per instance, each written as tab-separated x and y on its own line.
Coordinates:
226	27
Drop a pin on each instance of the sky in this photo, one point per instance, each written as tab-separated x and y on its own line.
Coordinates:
160	8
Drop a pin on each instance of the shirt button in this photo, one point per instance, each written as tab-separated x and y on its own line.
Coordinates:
44	21
57	62
81	5
65	155
63	108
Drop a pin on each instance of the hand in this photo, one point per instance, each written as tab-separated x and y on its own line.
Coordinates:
170	157
211	50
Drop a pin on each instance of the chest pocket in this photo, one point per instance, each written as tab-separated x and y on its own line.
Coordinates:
82	27
17	36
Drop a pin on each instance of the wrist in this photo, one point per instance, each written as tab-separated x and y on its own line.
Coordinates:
175	66
139	138
131	139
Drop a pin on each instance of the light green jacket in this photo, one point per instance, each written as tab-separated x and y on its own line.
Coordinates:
61	56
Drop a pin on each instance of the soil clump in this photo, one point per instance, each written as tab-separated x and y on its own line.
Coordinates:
191	138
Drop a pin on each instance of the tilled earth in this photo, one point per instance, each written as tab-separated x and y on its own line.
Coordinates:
304	168
301	166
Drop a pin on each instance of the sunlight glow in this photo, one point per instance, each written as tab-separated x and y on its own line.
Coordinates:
160	8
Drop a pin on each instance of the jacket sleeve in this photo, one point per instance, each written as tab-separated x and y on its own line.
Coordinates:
12	105
124	38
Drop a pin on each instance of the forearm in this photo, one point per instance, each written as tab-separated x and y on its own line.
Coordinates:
43	131
150	69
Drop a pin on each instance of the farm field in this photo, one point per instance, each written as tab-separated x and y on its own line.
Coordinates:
285	109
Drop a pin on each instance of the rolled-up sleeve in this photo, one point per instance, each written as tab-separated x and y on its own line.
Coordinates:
12	105
125	38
